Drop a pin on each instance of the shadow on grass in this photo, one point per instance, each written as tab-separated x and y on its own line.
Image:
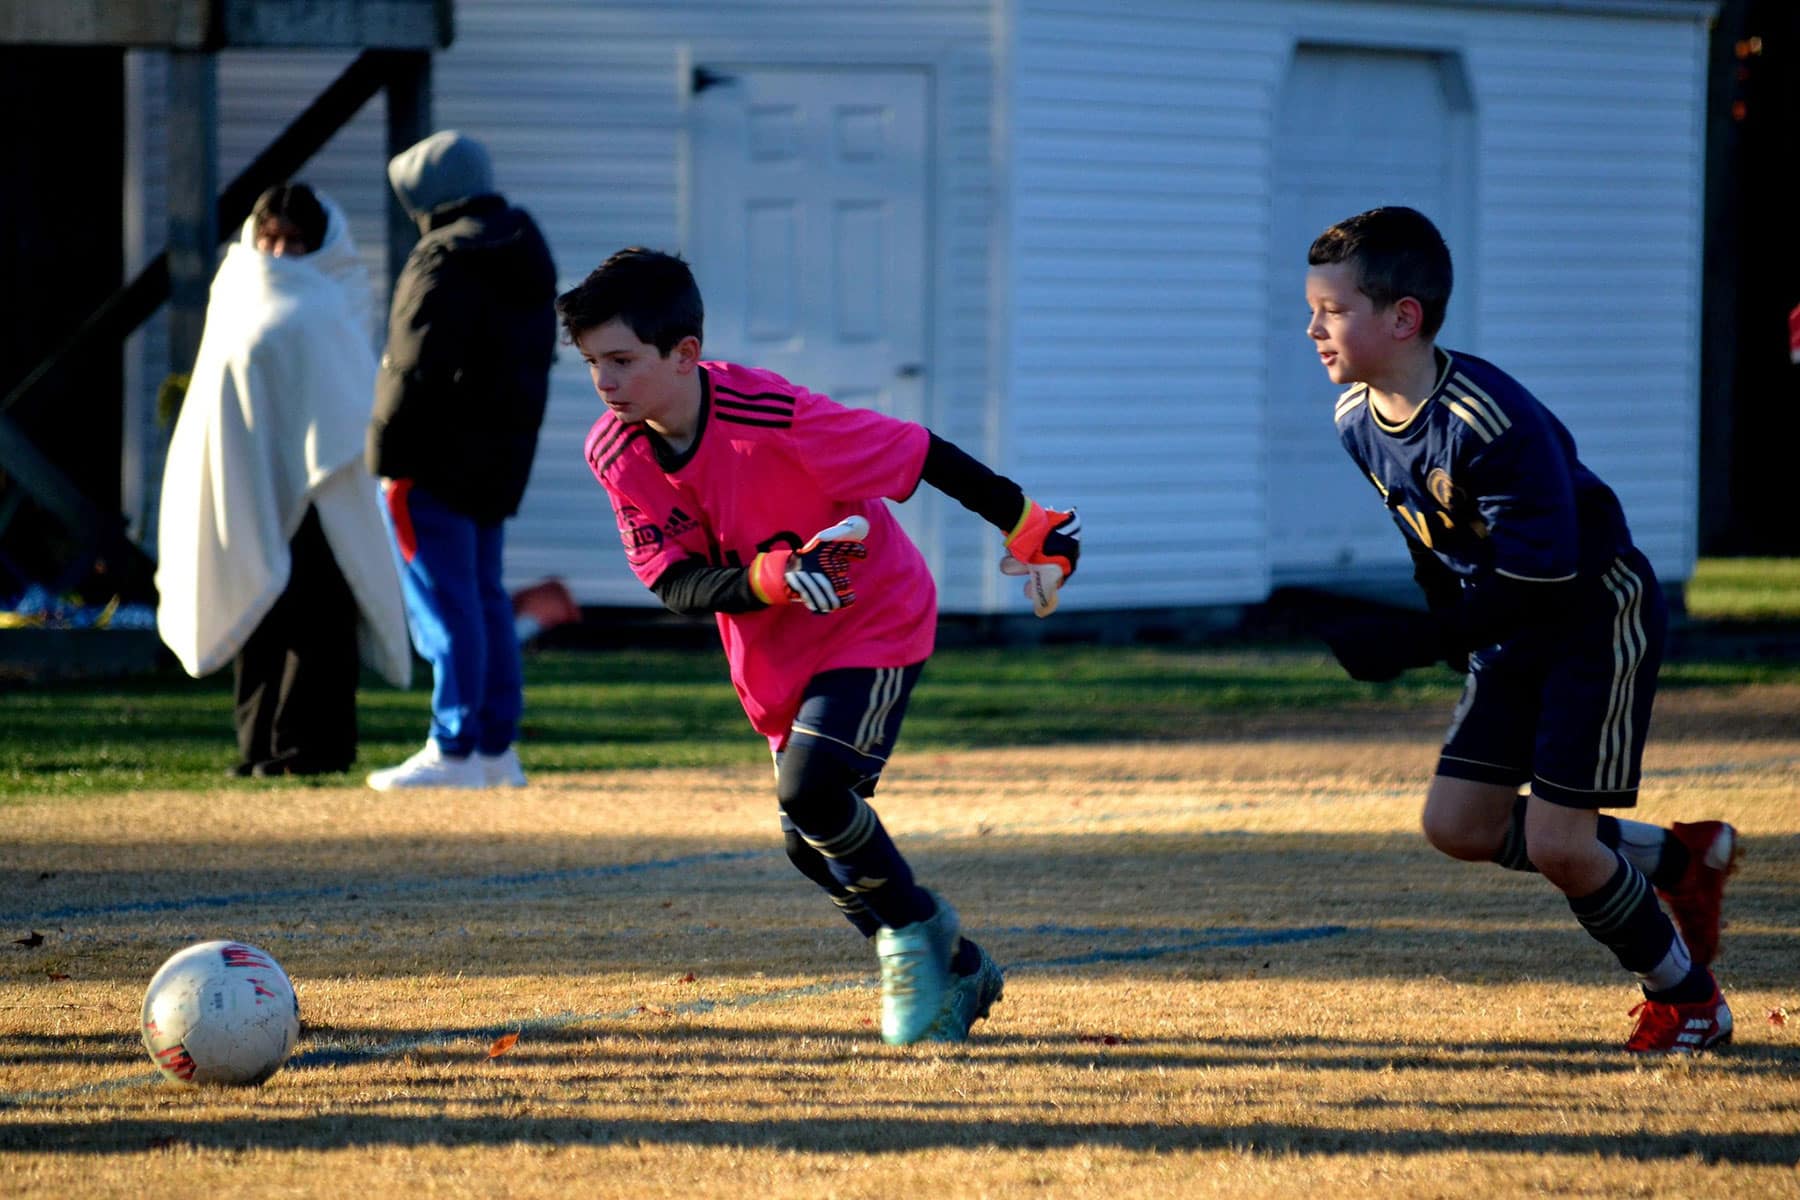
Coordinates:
1085	901
970	1124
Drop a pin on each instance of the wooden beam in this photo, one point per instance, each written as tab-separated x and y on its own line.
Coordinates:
229	24
193	182
408	121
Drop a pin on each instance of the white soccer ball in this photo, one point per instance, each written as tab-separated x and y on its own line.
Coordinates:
220	1012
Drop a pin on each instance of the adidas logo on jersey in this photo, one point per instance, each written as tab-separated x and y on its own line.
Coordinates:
678	523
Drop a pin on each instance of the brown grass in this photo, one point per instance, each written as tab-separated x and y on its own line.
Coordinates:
1430	1029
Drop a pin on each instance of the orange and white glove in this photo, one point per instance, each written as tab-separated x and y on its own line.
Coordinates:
1043	548
816	575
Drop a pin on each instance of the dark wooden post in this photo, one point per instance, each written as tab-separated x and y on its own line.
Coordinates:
408	120
193	191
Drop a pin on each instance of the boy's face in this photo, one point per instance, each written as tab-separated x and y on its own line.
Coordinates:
637	382
1355	341
281	237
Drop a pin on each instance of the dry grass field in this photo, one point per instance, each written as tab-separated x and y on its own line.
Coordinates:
1234	969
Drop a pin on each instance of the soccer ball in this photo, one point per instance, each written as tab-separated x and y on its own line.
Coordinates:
220	1012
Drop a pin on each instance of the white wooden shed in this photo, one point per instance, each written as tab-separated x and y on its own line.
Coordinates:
1070	236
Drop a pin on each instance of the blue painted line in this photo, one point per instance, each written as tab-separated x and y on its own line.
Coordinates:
340	1054
1219	940
289	895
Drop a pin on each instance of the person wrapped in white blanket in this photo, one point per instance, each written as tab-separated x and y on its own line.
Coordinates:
271	547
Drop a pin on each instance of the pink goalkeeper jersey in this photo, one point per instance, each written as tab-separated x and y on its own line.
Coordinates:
773	463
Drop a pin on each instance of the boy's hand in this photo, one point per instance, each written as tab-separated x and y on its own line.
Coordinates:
1043	548
816	575
1376	647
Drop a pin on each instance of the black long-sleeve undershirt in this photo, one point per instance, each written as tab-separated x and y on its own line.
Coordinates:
693	588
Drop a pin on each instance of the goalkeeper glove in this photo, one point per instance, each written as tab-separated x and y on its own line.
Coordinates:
1043	548
1377	647
816	575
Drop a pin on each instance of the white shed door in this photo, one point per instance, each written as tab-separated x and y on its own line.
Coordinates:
1357	129
808	227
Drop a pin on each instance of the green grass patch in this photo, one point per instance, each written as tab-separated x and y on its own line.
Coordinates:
1745	589
644	708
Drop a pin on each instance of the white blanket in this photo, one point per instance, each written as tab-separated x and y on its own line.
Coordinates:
273	421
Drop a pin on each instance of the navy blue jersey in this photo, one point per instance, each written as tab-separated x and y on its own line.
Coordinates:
1487	478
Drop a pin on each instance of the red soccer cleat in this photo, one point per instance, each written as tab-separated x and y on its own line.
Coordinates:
1680	1028
1694	902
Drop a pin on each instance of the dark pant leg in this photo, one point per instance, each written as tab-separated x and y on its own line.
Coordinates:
314	724
502	694
256	687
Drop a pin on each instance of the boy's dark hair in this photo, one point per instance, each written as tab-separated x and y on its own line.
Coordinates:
653	293
296	204
1395	252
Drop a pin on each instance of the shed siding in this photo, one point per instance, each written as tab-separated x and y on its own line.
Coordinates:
582	106
1100	214
1140	139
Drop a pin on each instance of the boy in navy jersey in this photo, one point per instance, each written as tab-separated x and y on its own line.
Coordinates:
1532	579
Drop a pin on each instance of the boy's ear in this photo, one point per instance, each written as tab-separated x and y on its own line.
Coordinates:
686	354
1407	316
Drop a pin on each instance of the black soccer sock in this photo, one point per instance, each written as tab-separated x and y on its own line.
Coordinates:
967	959
1624	917
1512	854
823	797
813	865
1661	857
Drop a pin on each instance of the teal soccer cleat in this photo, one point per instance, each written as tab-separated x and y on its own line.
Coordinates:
915	973
968	1000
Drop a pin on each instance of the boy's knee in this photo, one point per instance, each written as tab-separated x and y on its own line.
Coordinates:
815	784
1558	858
1464	820
1453	834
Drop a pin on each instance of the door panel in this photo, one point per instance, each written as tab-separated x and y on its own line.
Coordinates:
1356	129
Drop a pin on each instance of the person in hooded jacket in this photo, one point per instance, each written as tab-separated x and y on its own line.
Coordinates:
459	398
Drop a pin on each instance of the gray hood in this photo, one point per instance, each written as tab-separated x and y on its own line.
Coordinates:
443	169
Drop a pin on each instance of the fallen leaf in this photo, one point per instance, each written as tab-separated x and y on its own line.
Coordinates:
57	975
30	941
1104	1039
1778	1016
688	978
502	1044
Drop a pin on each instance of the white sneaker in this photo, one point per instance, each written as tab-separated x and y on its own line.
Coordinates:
431	768
503	769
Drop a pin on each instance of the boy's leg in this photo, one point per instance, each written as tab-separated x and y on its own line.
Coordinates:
502	695
436	556
935	983
315	720
443	608
1594	715
834	755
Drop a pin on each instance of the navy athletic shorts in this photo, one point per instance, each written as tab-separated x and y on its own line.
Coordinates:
1566	708
855	713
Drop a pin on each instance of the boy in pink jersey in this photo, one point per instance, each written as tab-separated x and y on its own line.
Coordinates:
740	494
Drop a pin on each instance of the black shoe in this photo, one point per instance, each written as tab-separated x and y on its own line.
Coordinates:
296	764
241	770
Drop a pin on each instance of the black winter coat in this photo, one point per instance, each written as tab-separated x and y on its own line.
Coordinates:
471	334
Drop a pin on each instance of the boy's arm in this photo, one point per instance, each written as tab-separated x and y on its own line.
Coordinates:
816	575
1045	543
1525	495
693	589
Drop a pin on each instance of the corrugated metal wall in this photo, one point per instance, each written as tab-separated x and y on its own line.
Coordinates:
1140	143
